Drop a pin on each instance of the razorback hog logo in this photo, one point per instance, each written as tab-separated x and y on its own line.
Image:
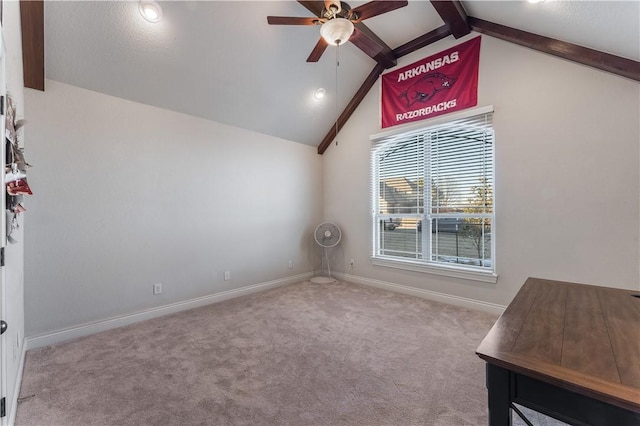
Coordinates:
426	88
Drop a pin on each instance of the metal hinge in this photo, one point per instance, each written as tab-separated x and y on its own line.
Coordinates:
3	407
1	105
2	256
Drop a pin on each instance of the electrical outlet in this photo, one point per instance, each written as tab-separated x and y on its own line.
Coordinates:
290	264
352	263
157	288
227	275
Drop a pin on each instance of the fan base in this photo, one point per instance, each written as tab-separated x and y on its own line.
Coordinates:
322	280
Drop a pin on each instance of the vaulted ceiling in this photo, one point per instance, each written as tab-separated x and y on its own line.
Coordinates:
220	60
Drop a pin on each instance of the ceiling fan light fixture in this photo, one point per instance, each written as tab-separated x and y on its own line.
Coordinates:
336	31
150	10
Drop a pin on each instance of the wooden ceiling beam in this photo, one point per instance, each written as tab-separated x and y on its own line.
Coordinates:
422	41
405	49
573	52
32	21
351	107
454	16
385	55
604	61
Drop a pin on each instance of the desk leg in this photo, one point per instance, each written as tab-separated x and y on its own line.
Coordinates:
499	396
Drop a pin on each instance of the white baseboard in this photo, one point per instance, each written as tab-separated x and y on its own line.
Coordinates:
450	299
16	389
87	329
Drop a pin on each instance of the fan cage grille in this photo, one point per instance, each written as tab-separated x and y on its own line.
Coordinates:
327	234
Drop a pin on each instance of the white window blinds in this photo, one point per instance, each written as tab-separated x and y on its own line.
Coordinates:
432	193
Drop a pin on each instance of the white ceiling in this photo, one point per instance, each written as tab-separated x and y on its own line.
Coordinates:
221	61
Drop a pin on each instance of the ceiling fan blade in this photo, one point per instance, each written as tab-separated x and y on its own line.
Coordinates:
314	7
367	41
291	20
318	50
375	8
364	43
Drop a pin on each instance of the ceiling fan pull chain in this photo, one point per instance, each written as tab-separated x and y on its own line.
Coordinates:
337	65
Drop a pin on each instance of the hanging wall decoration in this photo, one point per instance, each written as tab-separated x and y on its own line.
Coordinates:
436	85
15	176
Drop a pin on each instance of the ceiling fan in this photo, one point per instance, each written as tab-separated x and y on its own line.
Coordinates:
338	20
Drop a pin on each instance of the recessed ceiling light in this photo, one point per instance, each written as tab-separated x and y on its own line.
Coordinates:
319	93
150	10
535	1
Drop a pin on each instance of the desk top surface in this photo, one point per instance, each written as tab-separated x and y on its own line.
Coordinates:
579	337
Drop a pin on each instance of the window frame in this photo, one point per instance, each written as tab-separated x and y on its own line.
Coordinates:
426	264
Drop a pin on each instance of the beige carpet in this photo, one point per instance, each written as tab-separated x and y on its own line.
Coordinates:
303	354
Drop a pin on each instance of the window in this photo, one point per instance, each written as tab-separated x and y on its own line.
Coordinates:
432	197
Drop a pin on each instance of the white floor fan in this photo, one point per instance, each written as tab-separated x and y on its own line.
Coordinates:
327	235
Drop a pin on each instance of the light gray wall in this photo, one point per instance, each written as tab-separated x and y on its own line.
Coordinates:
567	176
128	195
14	313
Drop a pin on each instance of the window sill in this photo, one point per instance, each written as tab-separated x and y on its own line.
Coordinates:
453	271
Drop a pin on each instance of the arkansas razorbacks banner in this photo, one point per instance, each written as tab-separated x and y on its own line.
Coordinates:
439	84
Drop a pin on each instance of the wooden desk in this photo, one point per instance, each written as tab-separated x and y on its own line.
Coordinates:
570	351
